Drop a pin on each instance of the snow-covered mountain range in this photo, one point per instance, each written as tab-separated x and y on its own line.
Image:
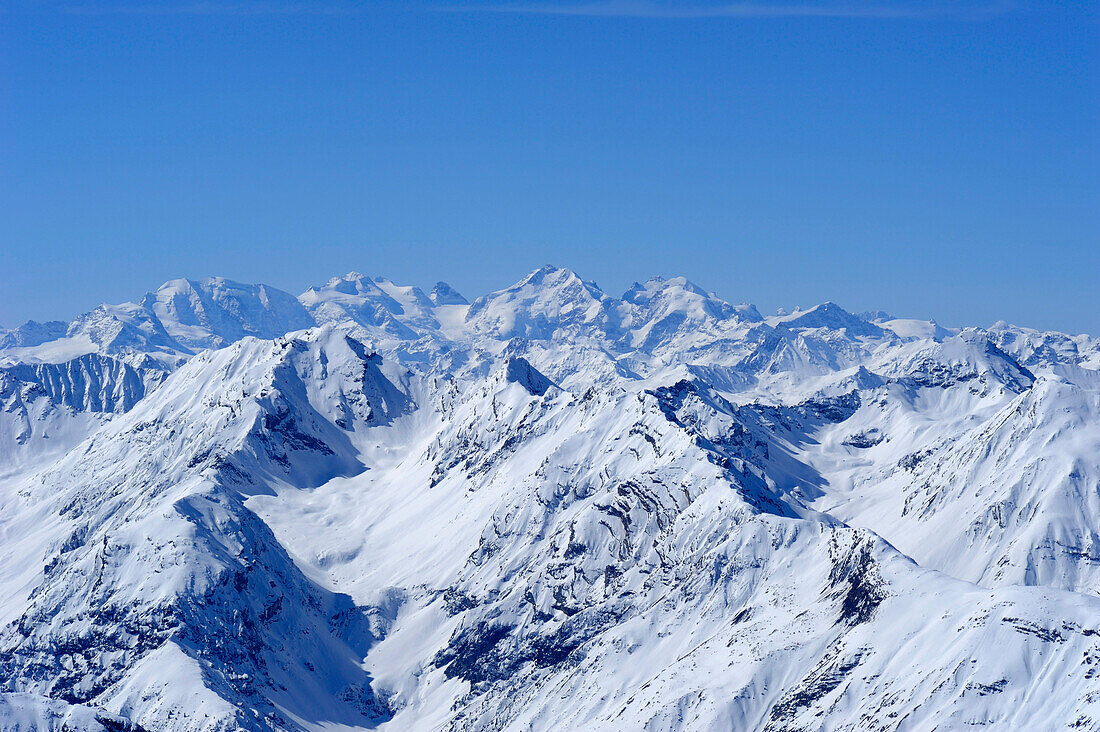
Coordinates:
224	507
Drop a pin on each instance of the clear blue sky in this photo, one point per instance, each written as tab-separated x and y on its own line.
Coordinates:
928	159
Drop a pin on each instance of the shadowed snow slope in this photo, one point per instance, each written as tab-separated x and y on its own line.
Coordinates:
369	507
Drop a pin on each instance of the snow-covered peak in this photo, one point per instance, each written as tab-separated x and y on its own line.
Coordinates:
425	515
830	316
969	357
675	315
214	312
121	329
909	328
32	333
352	283
678	294
546	301
355	300
444	294
416	307
875	316
1036	348
551	276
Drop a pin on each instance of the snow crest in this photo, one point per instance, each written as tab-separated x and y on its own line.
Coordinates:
370	507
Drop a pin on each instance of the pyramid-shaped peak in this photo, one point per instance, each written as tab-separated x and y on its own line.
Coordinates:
444	294
833	317
551	276
550	284
520	371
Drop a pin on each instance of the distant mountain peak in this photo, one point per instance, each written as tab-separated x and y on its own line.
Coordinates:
550	509
444	294
549	275
830	315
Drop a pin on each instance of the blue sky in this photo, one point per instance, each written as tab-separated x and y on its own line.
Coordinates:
928	159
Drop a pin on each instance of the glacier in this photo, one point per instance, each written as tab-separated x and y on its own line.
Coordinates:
224	507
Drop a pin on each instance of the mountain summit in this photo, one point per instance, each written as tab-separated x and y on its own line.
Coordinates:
224	507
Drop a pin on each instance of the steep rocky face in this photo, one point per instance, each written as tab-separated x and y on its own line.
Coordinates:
547	509
90	383
47	408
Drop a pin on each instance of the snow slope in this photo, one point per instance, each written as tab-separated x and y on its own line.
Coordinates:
550	508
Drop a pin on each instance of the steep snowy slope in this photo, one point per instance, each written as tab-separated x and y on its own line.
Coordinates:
550	508
621	561
161	597
997	488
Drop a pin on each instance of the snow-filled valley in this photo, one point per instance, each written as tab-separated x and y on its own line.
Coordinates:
224	507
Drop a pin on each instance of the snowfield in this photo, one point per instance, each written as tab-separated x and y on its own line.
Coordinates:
371	507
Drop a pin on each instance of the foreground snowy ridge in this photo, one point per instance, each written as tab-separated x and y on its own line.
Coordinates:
371	507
